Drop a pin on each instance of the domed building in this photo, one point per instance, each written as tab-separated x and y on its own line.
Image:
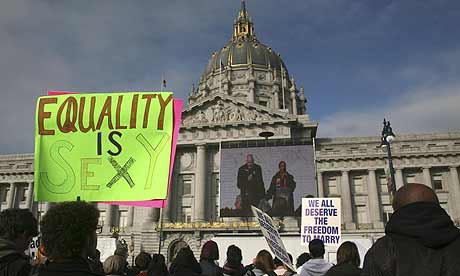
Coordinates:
246	98
248	70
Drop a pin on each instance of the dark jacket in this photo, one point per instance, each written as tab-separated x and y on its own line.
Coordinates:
281	190
251	184
209	268
229	270
185	264
12	262
346	269
420	239
71	267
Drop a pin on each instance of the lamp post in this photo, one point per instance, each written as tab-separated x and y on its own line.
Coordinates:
387	137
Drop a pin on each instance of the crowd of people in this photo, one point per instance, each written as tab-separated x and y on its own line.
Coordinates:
420	239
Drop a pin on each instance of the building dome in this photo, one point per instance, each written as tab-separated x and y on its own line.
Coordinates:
244	52
247	69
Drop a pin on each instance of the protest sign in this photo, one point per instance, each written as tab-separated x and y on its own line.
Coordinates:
107	247
272	236
321	219
160	203
103	147
33	247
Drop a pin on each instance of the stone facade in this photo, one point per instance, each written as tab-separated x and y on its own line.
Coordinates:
236	103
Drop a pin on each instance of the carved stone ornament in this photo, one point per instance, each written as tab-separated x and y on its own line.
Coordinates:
224	112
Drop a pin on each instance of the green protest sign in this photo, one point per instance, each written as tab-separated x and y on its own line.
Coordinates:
103	147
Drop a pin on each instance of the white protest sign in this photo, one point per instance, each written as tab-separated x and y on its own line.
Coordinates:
272	236
321	219
33	247
107	247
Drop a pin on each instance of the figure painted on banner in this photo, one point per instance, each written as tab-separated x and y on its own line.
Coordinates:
281	191
251	185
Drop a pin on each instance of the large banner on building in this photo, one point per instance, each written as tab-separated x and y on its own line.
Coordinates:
103	147
274	179
321	219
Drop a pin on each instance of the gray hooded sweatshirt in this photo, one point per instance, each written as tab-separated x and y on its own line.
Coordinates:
315	267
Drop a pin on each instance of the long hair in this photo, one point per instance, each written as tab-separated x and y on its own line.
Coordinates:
158	266
264	261
210	251
348	253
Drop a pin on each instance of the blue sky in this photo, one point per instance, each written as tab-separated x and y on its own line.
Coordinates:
358	60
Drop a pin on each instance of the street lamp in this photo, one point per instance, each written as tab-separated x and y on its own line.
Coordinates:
387	137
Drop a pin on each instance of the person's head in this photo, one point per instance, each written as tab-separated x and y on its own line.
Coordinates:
303	258
412	193
282	166
249	160
316	248
114	265
122	249
264	261
348	253
142	261
209	251
186	259
157	266
69	230
18	226
234	256
277	262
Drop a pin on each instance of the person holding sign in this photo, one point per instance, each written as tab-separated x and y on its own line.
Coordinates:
281	190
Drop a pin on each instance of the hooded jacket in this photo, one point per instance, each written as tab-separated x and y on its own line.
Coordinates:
420	239
315	267
12	262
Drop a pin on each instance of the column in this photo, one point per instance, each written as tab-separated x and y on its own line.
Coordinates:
30	194
11	196
346	201
427	177
294	102
130	216
319	178
200	184
374	202
454	191
276	104
108	221
399	179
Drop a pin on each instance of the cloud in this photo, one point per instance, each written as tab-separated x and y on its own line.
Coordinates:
420	110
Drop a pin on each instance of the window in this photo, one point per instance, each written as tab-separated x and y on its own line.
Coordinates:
122	218
6	191
101	217
358	185
361	214
23	194
263	103
186	185
383	184
437	181
332	186
186	214
410	178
